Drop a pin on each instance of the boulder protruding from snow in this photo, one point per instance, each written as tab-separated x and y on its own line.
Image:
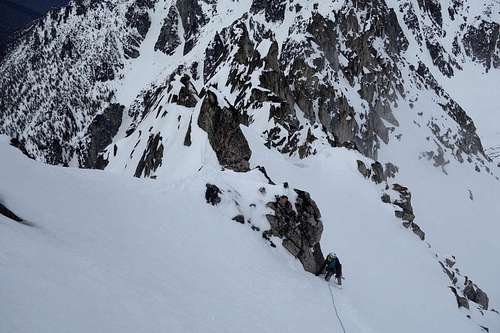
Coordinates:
187	95
212	194
366	172
12	216
239	218
406	213
404	202
9	214
475	294
461	301
379	173
300	228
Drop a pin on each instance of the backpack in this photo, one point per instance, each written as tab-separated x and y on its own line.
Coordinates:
338	269
332	262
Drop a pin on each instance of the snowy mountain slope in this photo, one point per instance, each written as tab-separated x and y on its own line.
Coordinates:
371	126
410	147
128	255
198	92
474	80
128	23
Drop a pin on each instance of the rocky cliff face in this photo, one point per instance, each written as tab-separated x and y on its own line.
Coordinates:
300	229
338	77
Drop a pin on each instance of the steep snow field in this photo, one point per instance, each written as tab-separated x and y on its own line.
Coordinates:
110	253
456	205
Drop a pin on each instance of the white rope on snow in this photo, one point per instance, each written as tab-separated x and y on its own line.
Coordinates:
335	307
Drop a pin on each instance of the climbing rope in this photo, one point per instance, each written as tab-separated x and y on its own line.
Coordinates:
335	307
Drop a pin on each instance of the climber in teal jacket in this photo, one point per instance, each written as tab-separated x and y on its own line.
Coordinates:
332	266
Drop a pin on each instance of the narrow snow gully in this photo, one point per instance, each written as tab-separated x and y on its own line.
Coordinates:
140	72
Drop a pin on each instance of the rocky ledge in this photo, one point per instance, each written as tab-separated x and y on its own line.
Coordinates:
299	226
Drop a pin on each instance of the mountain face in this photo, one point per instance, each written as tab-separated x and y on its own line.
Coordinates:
161	89
15	15
318	63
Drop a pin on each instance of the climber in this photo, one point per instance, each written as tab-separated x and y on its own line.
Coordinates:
332	266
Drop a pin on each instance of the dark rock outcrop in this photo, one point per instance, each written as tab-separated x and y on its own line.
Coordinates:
187	95
274	10
482	43
193	19
404	202
264	172
377	172
366	172
101	132
169	39
222	125
466	291
300	228
475	294
187	138
215	54
417	231
378	175
433	7
406	213
137	18
151	158
12	216
461	301
450	273
239	218
450	262
9	214
440	58
212	195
